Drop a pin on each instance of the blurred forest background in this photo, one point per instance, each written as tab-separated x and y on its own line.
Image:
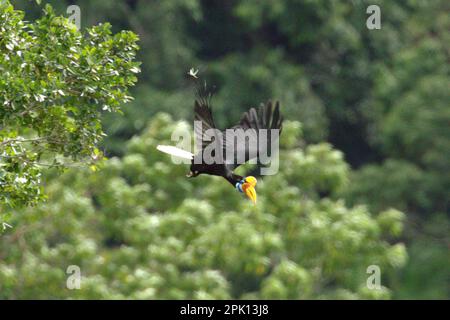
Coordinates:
364	161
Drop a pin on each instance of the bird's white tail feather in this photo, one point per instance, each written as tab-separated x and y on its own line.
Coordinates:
177	152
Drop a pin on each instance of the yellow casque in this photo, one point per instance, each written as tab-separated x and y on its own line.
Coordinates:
249	188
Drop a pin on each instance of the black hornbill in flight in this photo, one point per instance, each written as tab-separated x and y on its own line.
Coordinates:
267	116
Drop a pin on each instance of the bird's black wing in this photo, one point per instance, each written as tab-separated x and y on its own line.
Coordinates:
204	120
267	116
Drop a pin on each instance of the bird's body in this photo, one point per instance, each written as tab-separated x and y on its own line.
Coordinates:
221	170
227	150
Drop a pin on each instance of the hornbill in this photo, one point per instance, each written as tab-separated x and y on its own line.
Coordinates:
267	116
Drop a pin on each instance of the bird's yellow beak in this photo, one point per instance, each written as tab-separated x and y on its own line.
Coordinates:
249	188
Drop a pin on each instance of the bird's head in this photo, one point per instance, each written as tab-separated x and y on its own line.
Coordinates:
247	185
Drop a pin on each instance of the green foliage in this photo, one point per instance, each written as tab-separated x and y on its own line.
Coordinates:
139	229
411	117
379	96
429	260
55	83
389	185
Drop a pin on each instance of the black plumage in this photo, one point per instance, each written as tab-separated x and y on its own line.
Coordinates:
267	116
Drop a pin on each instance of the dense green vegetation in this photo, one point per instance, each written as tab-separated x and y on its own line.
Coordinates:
135	234
139	229
54	83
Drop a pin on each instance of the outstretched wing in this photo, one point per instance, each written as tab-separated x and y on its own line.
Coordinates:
204	120
268	117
